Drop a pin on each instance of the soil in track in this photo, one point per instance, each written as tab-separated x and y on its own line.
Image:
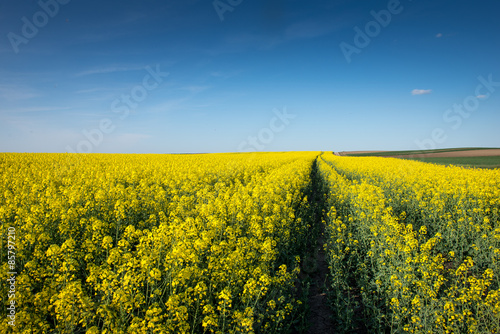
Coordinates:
315	267
320	313
314	284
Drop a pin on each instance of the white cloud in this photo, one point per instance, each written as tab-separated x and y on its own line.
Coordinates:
481	96
421	91
439	35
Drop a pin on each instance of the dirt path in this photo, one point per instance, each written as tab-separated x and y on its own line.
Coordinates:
320	314
319	311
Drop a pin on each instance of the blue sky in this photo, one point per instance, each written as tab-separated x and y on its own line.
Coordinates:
239	75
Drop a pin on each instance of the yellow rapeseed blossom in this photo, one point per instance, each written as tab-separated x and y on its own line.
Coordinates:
427	256
154	243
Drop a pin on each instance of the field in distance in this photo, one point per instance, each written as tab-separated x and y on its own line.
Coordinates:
478	157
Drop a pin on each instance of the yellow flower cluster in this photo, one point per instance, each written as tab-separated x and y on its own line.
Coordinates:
419	243
153	243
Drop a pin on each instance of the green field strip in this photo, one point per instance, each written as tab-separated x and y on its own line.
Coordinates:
393	153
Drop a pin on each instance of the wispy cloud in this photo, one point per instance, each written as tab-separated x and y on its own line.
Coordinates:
225	74
168	106
109	69
91	90
481	96
100	93
439	35
217	74
421	91
37	109
28	134
308	29
17	92
195	89
235	42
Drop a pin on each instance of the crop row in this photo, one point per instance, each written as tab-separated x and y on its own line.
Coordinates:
153	243
412	247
